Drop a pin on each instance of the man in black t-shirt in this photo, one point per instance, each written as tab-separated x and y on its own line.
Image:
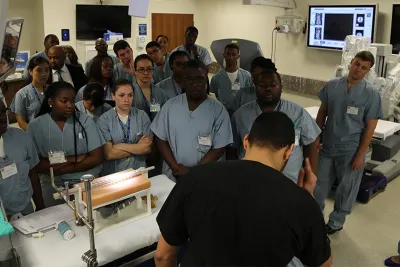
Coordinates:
246	213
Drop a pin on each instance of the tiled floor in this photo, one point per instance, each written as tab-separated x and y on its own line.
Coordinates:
372	231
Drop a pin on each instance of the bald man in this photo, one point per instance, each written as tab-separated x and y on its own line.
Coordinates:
101	47
61	71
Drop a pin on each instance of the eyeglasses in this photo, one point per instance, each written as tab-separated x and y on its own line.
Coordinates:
198	79
142	71
5	111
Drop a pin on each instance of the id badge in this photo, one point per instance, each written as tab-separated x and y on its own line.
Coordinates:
57	157
204	140
155	107
9	171
236	86
352	110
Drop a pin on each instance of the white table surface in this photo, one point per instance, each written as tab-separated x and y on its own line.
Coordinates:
383	129
52	250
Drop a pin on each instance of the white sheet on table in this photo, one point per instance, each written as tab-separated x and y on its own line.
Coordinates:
44	219
53	250
383	129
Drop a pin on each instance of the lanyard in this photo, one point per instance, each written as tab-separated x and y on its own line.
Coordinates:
126	134
36	94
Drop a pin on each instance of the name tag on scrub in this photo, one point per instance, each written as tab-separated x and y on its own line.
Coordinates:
204	140
57	157
352	110
236	86
9	171
155	107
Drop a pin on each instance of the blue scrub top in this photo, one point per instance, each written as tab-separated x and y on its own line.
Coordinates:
47	136
27	102
159	76
222	86
182	128
158	97
97	112
121	73
170	87
107	94
16	191
306	131
201	51
244	96
343	130
111	129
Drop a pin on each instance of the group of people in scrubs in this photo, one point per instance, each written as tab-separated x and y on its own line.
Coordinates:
158	104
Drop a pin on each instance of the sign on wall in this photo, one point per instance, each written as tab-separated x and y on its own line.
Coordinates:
142	29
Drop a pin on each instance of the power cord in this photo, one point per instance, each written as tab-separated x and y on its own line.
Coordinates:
273	44
276	38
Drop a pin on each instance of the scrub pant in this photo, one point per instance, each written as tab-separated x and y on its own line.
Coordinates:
48	190
338	168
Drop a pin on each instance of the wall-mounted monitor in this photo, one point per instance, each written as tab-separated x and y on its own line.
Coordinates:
92	21
395	34
328	25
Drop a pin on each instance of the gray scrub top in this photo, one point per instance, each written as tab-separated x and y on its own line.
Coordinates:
158	98
97	112
121	73
201	51
16	191
182	129
47	136
244	96
111	128
107	94
348	112
170	87
27	102
159	76
222	86
306	131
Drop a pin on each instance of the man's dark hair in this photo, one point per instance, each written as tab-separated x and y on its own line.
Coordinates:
366	56
53	36
142	57
174	55
273	130
162	36
120	45
119	83
153	44
195	64
94	91
270	72
264	63
191	29
232	46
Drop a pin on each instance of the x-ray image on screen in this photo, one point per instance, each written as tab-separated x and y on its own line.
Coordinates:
360	20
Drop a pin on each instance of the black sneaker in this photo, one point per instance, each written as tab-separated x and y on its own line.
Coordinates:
331	231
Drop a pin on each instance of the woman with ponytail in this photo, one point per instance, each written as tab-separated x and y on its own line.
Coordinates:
66	140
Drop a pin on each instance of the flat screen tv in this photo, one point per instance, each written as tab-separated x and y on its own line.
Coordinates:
395	34
328	25
92	21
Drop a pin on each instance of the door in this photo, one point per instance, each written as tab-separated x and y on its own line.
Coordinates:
171	25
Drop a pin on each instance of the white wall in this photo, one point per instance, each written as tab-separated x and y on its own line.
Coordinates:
220	19
54	24
32	12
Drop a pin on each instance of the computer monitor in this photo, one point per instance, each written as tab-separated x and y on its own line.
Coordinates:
328	25
9	48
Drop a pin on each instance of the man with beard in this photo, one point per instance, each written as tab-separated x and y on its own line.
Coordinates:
246	212
226	83
191	128
268	91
